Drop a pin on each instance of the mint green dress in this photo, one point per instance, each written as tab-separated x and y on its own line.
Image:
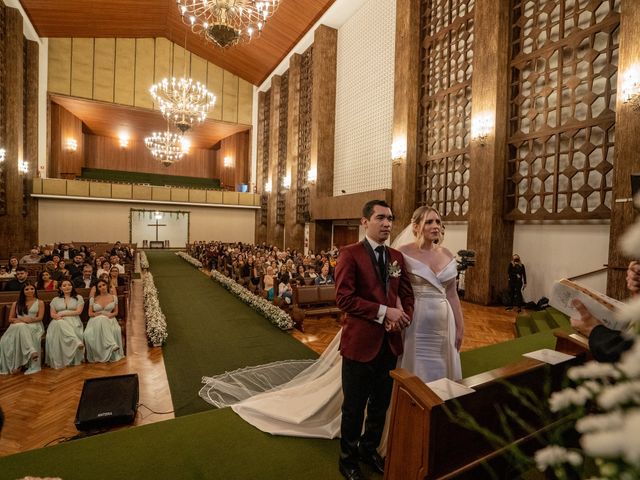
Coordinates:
20	342
103	336
64	345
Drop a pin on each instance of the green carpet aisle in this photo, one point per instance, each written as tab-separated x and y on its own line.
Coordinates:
210	331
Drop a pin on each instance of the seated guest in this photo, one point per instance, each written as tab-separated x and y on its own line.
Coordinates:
113	290
64	334
62	271
51	268
105	267
285	292
33	257
299	277
283	274
20	345
115	260
87	280
268	281
311	272
244	272
115	280
325	277
4	272
103	336
13	264
605	344
18	282
75	268
46	256
66	252
45	282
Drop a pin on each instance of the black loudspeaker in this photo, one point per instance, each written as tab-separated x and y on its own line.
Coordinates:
307	217
107	401
635	184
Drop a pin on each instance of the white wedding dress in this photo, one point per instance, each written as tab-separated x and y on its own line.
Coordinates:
429	342
303	398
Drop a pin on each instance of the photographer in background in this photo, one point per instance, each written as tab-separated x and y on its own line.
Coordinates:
517	282
467	258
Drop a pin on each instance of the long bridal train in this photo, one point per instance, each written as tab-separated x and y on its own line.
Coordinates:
300	398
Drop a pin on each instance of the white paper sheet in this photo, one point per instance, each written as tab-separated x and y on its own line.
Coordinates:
447	389
549	356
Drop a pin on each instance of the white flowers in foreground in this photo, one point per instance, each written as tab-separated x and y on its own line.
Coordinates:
554	455
190	259
274	314
144	263
156	322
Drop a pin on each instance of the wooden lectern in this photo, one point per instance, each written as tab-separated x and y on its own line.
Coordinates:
425	443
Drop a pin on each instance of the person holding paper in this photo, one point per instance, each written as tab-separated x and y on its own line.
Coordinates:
517	281
606	345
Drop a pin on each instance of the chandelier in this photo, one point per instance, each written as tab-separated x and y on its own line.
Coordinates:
226	22
167	147
182	101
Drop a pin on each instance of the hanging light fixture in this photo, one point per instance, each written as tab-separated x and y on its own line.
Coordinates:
167	147
182	101
226	22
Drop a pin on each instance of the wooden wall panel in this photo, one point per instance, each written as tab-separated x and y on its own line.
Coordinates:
65	126
237	148
245	102
181	62
230	98
294	231
104	69
198	69
145	48
627	145
59	65
124	71
82	67
214	85
105	152
31	81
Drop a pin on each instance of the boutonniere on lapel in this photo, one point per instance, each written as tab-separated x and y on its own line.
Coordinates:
394	270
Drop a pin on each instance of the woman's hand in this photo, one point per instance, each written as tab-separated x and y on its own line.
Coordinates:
56	316
459	336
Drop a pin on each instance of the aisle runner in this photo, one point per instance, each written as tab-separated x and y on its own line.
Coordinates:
210	331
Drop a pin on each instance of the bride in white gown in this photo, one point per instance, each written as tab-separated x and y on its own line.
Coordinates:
304	397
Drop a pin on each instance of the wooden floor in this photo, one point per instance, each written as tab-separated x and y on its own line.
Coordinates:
40	409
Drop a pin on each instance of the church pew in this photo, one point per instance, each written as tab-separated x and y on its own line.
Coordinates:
425	443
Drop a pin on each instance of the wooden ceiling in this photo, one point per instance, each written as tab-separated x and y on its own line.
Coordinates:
110	120
160	18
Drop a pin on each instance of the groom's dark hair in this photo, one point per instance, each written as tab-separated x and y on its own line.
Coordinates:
367	210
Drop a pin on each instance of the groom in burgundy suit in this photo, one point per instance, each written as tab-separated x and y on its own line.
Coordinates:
371	284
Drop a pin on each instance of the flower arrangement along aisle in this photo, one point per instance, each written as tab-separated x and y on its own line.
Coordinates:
193	261
155	321
274	314
144	262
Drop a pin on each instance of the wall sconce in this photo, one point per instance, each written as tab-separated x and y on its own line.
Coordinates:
158	216
286	182
631	87
124	140
227	162
398	151
23	167
267	187
312	176
3	154
481	127
185	144
72	144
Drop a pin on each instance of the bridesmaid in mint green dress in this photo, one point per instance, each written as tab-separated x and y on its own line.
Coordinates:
20	345
64	345
103	336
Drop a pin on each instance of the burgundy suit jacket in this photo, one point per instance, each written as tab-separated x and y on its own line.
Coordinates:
359	294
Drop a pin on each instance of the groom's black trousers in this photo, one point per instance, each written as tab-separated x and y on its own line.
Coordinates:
365	385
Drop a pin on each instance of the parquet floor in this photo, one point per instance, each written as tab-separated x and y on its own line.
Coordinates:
40	409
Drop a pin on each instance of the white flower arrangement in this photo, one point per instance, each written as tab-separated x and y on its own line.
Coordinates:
274	314
156	322
193	261
394	270
144	262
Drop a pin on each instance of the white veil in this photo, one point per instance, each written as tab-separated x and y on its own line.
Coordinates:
405	237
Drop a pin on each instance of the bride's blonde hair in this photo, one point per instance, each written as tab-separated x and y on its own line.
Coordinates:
418	220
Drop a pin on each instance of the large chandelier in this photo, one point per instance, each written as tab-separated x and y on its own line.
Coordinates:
167	147
182	101
226	22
